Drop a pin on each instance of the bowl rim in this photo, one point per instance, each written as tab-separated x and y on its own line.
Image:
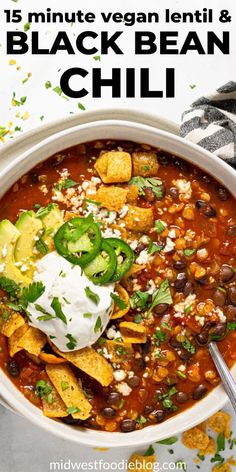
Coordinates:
147	435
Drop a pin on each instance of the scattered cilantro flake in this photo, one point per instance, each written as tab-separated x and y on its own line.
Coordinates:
118	301
87	315
165	326
5	315
167	400
71	410
138	318
168	441
189	252
56	306
192	86
43	390
141	420
64	385
72	341
41	246
159	337
48	84
42	117
154	247
97	58
187	310
139	299
92	295
45	315
188	346
67	183
231	325
31	293
220	442
98	325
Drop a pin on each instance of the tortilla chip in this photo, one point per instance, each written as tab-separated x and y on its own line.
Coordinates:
119	351
112	198
210	449
90	362
135	269
195	439
222	468
55	409
202	426
51	358
220	423
145	164
33	341
138	463
73	396
138	219
133	332
132	195
114	167
123	295
13	341
10	320
123	232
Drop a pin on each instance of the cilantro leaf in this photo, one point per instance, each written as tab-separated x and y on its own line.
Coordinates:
64	385
168	441
92	295
189	252
149	452
31	293
66	184
160	226
154	183
154	247
44	390
9	286
56	306
231	325
161	295
71	410
139	299
188	346
41	246
98	325
159	337
118	301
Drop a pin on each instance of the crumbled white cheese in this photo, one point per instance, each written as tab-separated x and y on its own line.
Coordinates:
106	354
119	375
182	367
24	268
172	233
124	389
130	374
181	306
220	314
2	268
152	287
143	257
113	333
123	211
184	187
133	244
170	245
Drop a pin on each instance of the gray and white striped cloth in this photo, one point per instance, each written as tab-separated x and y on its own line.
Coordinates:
211	122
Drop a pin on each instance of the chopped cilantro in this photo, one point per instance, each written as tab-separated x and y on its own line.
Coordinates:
138	318
45	316
159	226
92	295
188	346
167	400
56	306
26	26
141	420
118	301
87	315
97	58
159	337
72	341
67	183
154	247
220	442
98	325
187	310
5	315
139	299
181	375
81	106
71	410
231	325
121	404
44	390
48	84
142	183
9	286
64	385
161	295
149	452
31	293
41	246
165	326
189	252
192	86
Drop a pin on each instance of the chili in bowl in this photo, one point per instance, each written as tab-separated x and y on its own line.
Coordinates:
117	267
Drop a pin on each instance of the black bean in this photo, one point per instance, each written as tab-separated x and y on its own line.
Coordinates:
35	178
13	368
179	265
184	355
163	160
174	343
173	192
232	294
160	309
189	288
206	179
231	231
108	412
127	426
199	392
182	397
113	398
171	380
180	281
134	381
226	273
149	195
140	364
219	297
203	281
223	194
181	165
146	347
70	420
159	392
148	409
219	331
209	211
200	204
140	247
231	312
159	415
203	338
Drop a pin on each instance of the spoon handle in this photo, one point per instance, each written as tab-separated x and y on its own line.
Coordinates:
224	372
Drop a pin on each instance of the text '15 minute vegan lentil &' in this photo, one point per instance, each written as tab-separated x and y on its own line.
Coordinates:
117	267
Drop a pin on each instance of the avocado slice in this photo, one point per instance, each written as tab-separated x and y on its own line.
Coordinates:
52	221
29	226
9	235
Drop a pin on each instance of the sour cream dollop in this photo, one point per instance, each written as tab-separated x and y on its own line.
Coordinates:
73	292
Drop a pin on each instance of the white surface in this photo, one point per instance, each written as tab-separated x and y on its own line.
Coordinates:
21	443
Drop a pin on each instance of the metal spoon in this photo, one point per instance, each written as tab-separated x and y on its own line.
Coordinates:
224	372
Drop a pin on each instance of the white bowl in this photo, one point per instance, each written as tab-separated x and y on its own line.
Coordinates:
111	129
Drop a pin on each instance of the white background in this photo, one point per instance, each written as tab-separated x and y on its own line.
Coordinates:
22	445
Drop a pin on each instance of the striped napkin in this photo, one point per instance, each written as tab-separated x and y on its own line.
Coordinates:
211	122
